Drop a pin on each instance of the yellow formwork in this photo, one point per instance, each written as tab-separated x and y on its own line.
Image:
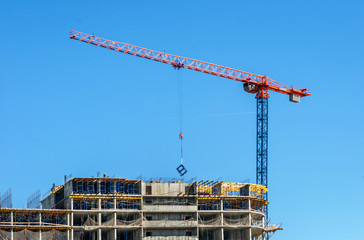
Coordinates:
56	189
229	189
257	190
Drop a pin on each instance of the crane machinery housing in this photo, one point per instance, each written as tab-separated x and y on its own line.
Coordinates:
256	84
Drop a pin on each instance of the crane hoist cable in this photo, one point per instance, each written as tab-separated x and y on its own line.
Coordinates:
181	168
180	99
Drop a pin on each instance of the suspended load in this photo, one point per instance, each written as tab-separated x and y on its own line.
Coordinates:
181	169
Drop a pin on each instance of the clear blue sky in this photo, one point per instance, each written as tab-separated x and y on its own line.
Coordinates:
69	107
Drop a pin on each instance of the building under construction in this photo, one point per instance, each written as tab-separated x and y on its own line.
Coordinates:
117	208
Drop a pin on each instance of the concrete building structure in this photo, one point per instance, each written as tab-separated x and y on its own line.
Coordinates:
123	209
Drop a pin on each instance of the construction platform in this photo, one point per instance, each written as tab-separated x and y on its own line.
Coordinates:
118	208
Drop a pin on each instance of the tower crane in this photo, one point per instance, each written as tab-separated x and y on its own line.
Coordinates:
256	84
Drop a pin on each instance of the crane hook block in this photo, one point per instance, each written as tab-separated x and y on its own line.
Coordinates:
181	170
180	135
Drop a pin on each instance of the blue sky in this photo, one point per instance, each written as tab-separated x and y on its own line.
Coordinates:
71	108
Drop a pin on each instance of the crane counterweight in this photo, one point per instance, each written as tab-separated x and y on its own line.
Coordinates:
294	98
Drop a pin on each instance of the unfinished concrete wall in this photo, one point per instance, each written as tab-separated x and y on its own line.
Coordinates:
48	202
164	189
68	188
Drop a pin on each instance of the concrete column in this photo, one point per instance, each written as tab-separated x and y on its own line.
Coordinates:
141	211
40	224
115	233
263	223
71	220
222	218
99	214
142	216
12	223
68	223
198	218
222	225
115	219
250	212
249	219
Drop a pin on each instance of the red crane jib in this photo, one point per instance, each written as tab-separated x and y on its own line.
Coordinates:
258	84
